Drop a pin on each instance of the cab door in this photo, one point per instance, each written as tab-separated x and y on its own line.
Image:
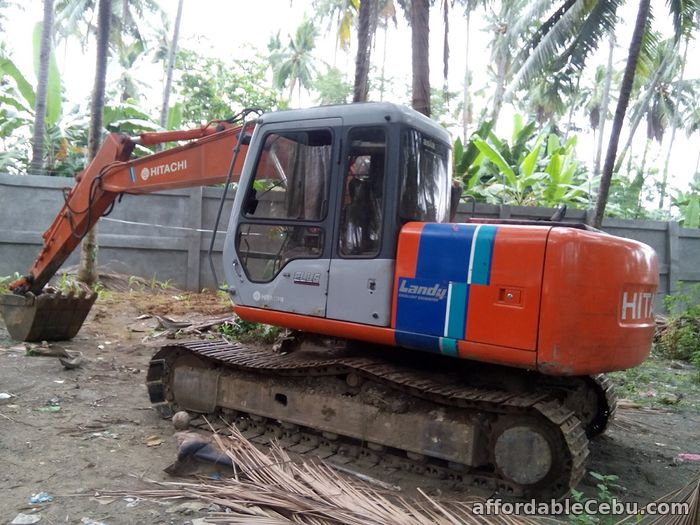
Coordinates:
362	264
281	226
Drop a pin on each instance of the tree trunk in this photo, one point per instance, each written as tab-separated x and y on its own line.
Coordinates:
570	118
466	111
651	87
383	81
604	106
37	165
420	46
674	127
87	272
364	49
619	118
171	64
501	68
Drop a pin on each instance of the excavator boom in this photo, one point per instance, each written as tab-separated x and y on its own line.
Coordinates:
203	161
206	158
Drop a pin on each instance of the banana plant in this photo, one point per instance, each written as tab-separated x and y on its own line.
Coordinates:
688	204
530	169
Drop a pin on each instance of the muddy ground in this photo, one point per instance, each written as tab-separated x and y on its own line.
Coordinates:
105	436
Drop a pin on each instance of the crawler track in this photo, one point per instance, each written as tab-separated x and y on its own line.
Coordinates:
504	425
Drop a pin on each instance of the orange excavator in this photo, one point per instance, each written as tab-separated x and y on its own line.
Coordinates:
472	351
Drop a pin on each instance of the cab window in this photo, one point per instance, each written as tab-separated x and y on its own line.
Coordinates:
425	178
291	177
363	193
290	186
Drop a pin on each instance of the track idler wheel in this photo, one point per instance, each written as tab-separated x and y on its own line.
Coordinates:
541	458
45	317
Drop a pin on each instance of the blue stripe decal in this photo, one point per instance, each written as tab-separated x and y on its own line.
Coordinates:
483	253
448	346
443	253
432	307
457	310
421	306
418	341
132	173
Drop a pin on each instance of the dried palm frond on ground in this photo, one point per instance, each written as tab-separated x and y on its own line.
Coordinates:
271	489
689	494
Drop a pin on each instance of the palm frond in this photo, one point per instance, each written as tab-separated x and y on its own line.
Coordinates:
600	21
568	19
535	11
683	13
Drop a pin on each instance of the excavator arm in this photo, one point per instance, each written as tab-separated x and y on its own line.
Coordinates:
211	156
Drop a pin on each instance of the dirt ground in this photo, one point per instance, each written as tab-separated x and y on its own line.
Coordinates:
105	436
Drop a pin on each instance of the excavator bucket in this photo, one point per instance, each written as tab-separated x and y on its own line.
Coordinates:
46	317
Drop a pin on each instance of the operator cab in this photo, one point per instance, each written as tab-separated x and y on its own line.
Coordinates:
323	195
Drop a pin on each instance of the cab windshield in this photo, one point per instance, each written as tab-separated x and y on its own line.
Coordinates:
425	178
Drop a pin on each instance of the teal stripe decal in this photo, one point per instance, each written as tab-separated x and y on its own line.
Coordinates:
448	346
132	173
457	311
483	251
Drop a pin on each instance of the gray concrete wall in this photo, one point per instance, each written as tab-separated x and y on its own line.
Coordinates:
159	249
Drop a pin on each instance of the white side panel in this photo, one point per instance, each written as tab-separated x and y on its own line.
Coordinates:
360	291
299	288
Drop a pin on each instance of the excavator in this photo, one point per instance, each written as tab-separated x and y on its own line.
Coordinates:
472	351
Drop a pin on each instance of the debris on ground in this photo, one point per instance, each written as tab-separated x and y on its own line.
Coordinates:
181	420
26	519
48	409
88	521
685	456
271	488
153	441
40	497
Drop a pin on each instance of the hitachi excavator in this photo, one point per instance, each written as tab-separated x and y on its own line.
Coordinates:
473	351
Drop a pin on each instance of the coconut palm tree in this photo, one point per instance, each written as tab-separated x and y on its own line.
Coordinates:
469	6
507	29
171	65
604	105
87	272
36	166
676	119
368	14
692	126
571	33
387	12
420	55
293	66
344	14
683	13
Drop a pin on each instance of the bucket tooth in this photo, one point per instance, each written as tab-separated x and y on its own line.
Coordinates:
45	317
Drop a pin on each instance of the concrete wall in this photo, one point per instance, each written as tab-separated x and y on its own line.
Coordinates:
167	246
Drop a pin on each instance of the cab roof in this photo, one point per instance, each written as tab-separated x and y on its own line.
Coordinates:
362	114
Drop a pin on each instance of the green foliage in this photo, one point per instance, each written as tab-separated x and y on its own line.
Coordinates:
293	65
660	382
127	117
605	482
6	280
534	169
246	331
681	338
688	204
212	89
333	87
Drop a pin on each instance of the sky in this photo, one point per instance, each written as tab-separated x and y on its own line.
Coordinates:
231	28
